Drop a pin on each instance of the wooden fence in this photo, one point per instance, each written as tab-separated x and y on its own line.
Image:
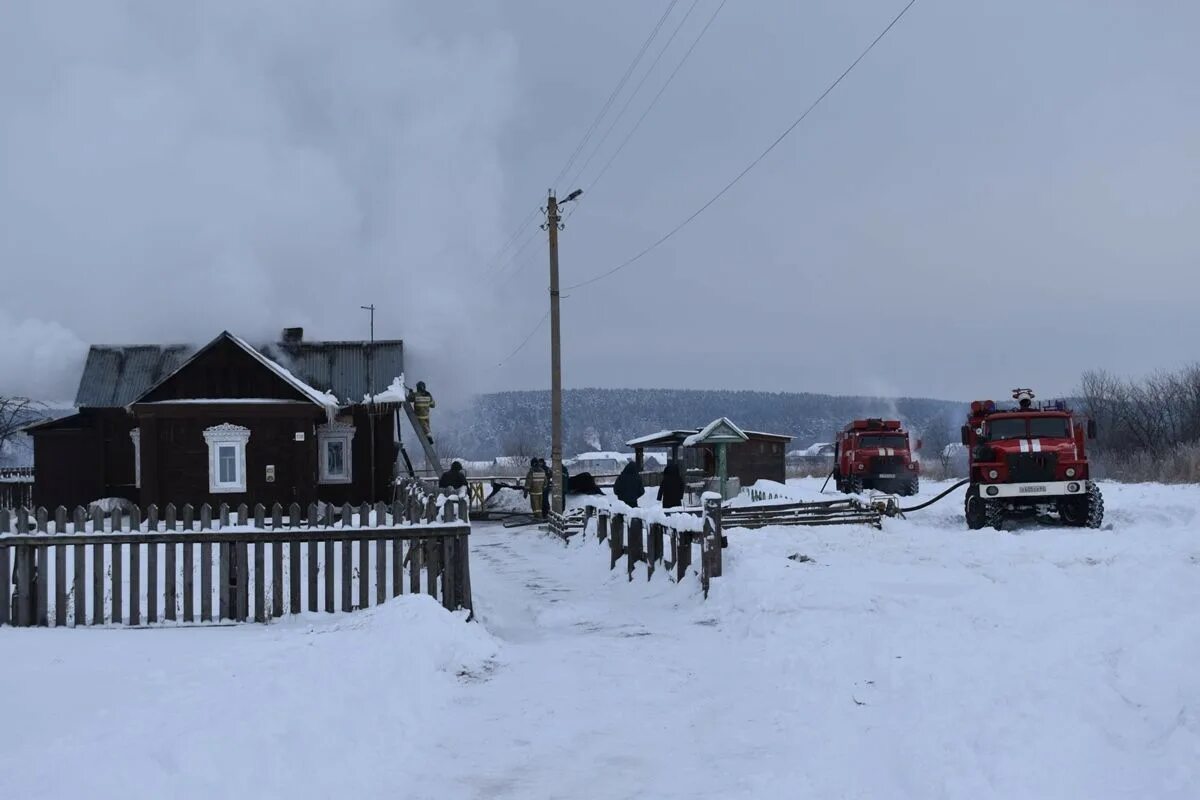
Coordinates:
16	487
796	513
144	568
657	539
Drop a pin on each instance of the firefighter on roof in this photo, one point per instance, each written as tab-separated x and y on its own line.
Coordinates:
422	403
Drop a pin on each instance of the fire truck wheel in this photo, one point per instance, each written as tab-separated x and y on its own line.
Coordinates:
856	485
1074	511
975	510
912	487
1095	517
995	515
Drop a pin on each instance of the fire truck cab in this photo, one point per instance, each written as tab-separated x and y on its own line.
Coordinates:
875	454
1026	460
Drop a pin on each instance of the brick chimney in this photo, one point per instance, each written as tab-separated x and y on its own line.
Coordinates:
293	335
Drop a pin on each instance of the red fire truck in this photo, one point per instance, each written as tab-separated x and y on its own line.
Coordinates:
875	454
1028	460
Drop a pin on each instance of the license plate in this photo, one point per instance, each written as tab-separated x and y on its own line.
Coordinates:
1032	489
887	474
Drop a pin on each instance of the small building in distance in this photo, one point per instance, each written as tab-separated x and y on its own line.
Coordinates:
229	422
818	454
762	457
600	462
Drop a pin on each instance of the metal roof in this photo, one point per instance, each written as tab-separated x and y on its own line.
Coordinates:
116	375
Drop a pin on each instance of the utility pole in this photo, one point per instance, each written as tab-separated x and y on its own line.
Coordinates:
371	393
553	226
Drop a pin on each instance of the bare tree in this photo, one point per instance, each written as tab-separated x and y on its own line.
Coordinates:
15	414
521	444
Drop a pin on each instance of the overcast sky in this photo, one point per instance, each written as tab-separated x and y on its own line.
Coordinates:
999	194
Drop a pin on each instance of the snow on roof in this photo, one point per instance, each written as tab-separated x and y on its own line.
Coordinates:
394	393
320	398
710	428
227	401
328	401
820	448
765	435
653	437
604	455
686	437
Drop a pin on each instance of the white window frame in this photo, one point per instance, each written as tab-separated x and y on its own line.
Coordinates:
135	436
335	432
226	435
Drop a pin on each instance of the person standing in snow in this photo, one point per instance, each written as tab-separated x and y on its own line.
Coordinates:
535	483
628	487
670	491
454	478
422	403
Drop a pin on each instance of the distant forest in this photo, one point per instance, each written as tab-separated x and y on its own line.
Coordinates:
518	423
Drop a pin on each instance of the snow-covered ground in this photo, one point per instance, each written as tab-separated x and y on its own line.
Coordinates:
921	661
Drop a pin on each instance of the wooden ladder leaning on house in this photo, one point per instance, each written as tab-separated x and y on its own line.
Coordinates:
431	457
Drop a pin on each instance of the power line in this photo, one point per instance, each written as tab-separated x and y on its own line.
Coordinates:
654	102
616	91
629	100
753	163
496	259
525	341
533	235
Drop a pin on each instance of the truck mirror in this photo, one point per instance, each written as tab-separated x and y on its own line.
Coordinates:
1091	429
920	443
966	434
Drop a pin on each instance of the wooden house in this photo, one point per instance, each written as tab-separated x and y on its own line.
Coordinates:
229	422
762	456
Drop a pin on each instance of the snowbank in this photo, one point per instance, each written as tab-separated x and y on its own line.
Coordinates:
317	706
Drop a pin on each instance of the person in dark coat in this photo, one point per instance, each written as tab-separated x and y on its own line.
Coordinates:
628	487
583	483
547	488
670	491
453	478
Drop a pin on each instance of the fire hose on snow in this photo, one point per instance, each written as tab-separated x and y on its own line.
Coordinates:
917	507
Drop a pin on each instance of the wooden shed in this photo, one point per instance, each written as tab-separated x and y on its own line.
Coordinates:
225	423
762	456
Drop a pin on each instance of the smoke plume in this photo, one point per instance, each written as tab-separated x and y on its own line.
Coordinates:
175	169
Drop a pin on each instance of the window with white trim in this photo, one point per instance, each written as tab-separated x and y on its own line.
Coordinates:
136	436
227	457
333	450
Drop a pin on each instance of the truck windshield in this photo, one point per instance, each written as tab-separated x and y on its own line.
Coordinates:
1049	428
1029	428
1011	428
894	441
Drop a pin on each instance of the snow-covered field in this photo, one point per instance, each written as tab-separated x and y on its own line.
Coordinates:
921	661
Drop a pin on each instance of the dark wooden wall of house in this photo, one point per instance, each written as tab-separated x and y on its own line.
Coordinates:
84	458
224	371
67	466
757	459
112	427
175	455
359	490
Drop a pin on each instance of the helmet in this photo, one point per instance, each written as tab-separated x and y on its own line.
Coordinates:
420	386
456	466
